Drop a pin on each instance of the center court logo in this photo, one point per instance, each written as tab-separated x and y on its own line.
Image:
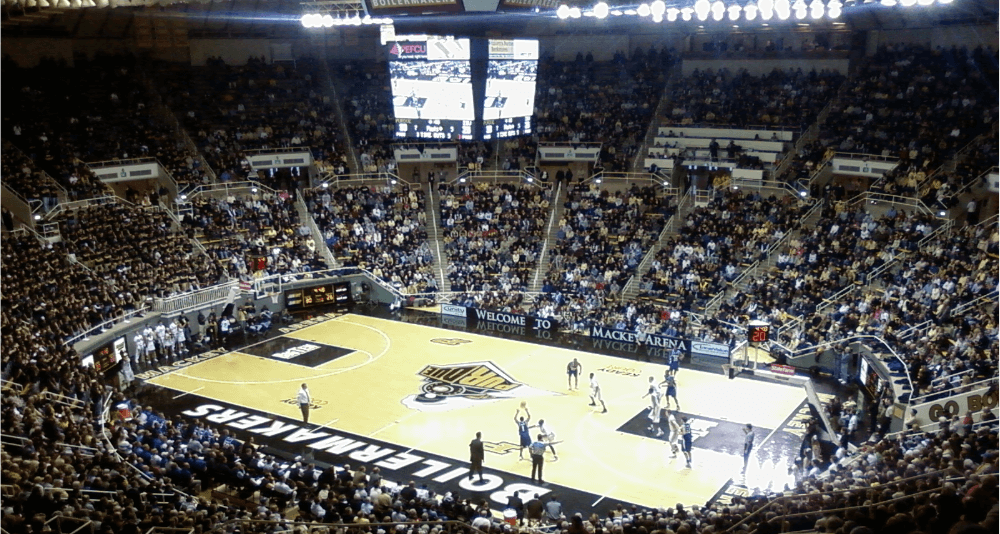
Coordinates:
454	386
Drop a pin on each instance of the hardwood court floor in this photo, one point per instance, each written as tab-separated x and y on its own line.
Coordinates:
365	375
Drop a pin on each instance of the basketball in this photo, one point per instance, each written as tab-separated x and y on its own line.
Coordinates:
524	404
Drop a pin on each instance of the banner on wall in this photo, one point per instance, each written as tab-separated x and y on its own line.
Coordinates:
501	322
707	348
379	8
658	341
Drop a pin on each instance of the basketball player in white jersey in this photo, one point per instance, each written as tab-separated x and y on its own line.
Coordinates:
595	394
654	393
675	433
548	437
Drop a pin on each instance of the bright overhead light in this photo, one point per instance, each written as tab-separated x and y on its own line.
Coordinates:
686	13
672	14
734	12
563	11
908	3
574	12
925	2
783	9
327	21
701	8
601	10
766	8
644	10
617	13
945	1
800	9
658	8
750	11
718	10
833	9
816	9
888	3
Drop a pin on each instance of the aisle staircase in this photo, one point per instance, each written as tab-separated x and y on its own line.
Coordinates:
329	89
741	282
307	219
551	231
658	115
435	239
670	229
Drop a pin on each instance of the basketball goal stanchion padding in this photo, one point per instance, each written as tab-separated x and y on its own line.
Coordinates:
757	334
737	360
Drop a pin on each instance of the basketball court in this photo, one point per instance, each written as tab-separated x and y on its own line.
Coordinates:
409	398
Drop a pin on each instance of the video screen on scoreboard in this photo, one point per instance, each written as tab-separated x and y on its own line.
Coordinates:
431	87
509	103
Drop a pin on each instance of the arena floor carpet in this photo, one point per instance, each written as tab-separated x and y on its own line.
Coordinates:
408	398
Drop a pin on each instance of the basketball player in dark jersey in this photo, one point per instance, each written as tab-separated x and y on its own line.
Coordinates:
523	431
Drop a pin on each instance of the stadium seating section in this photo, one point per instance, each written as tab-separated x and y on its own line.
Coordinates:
820	269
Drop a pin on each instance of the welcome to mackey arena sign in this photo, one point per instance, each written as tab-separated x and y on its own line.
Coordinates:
398	464
651	341
502	322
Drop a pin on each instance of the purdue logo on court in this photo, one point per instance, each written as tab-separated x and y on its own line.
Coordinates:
446	387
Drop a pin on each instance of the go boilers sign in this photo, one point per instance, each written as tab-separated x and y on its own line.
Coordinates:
971	402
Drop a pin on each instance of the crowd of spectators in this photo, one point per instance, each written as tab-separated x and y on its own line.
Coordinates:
844	247
230	109
912	308
915	104
968	169
56	299
601	239
114	256
255	235
716	243
24	178
380	229
149	470
612	103
368	112
136	249
492	234
98	110
789	99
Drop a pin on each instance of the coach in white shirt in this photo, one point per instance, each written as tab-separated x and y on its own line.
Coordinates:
304	399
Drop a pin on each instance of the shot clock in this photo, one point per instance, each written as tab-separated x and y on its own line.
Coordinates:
758	332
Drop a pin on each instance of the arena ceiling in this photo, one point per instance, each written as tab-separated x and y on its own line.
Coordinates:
280	18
